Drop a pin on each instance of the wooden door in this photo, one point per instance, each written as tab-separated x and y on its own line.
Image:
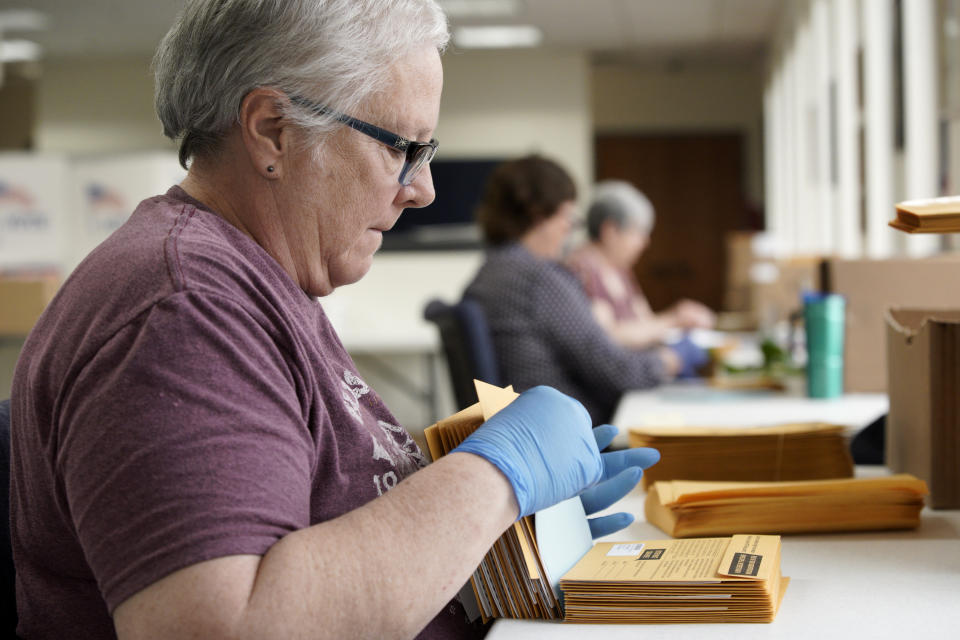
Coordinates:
695	183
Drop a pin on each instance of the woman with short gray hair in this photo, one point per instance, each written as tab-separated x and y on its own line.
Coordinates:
341	55
619	223
194	453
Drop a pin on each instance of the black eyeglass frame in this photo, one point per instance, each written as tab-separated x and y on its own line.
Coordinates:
418	154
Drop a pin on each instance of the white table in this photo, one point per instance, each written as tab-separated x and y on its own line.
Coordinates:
895	584
699	405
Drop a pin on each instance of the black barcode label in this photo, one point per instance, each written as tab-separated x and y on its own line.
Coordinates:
745	564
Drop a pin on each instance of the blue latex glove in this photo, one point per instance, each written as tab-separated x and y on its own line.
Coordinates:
692	357
622	471
542	442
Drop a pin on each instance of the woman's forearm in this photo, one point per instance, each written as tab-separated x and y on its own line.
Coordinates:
386	569
381	571
641	334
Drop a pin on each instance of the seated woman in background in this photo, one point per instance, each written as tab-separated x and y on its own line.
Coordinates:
619	223
542	326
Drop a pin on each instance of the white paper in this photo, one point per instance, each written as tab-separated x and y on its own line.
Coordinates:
563	537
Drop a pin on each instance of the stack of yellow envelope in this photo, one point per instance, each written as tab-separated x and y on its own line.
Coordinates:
689	508
657	581
806	451
934	215
511	581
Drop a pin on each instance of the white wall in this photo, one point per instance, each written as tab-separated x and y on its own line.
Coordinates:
629	98
92	105
495	104
499	103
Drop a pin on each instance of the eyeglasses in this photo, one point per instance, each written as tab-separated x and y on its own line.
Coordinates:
418	154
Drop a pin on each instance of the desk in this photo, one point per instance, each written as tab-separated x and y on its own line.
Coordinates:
876	585
697	404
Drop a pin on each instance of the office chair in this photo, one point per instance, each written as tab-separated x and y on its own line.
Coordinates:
8	602
467	346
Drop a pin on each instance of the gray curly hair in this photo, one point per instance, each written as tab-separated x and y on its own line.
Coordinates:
334	52
623	204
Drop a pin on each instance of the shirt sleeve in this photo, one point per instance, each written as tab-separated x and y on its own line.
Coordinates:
183	440
603	368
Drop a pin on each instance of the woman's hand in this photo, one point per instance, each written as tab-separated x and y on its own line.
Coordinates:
543	443
622	471
689	314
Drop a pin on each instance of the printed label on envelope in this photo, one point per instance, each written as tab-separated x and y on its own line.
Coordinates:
626	549
744	564
652	554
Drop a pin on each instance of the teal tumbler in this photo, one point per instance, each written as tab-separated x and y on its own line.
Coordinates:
823	316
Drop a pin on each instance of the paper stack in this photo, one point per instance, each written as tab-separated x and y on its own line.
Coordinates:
511	581
935	215
684	509
807	451
700	580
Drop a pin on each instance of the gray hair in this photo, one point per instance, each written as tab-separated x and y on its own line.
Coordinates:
621	203
337	53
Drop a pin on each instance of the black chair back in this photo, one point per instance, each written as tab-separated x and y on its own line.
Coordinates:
467	346
8	599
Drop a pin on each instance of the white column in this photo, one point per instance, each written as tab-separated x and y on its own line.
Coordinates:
921	161
844	24
786	239
774	143
785	156
878	123
806	140
821	217
771	143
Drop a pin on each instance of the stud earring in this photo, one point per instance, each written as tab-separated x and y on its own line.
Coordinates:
270	169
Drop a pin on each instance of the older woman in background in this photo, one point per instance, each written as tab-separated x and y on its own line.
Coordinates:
619	223
194	454
543	329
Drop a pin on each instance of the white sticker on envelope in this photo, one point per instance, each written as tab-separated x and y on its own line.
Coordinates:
630	549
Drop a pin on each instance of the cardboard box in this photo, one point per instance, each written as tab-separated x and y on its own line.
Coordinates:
740	257
779	295
873	286
22	300
923	427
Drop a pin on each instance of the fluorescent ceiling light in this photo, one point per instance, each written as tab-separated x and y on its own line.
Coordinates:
480	8
497	37
19	51
22	20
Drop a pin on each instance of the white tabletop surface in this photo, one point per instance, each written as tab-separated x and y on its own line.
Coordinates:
699	405
895	584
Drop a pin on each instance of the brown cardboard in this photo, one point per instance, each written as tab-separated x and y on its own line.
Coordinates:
773	302
923	427
873	286
771	298
22	300
740	258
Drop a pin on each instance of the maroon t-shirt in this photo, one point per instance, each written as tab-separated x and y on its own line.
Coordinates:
182	399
